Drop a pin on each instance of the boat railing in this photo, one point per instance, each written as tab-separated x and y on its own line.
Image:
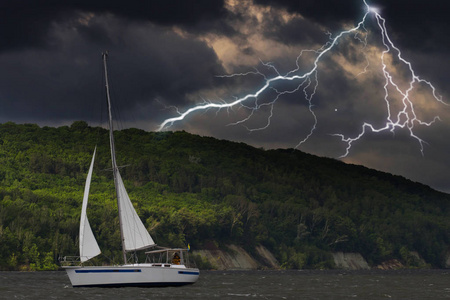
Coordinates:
70	261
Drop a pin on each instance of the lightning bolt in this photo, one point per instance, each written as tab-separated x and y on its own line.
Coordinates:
405	118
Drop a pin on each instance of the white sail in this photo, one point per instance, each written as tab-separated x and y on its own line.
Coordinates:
135	234
88	244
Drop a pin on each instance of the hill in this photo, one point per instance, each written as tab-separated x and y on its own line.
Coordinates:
200	190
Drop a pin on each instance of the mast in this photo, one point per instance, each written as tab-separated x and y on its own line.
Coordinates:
113	155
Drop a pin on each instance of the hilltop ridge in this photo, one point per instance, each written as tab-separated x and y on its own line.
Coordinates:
198	190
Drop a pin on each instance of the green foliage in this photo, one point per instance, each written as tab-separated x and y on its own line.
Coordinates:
192	189
201	262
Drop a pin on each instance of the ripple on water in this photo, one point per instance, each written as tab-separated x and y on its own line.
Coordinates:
407	284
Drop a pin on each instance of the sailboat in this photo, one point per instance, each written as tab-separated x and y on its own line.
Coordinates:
168	270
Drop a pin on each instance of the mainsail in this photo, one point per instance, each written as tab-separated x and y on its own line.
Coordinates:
135	234
88	245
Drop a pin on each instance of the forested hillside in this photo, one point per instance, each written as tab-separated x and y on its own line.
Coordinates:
198	190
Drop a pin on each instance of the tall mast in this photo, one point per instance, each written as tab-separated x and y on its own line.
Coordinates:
113	155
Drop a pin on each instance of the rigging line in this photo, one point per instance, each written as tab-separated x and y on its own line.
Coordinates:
117	118
109	258
102	96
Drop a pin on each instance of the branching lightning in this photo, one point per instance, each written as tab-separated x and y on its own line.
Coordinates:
405	118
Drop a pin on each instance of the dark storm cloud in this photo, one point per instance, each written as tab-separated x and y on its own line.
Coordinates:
417	24
297	31
329	12
62	82
27	23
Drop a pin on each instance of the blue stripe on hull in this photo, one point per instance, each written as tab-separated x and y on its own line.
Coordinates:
137	284
109	271
188	273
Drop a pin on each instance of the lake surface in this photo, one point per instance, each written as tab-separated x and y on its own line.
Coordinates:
329	284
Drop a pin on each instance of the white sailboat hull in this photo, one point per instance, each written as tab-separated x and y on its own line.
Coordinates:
137	275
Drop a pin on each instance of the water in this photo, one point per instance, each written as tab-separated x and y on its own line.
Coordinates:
403	284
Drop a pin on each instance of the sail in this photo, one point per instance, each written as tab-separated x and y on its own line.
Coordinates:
135	234
88	245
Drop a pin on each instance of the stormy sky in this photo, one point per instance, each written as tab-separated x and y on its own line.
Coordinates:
174	53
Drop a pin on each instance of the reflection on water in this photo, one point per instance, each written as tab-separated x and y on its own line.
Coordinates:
329	284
